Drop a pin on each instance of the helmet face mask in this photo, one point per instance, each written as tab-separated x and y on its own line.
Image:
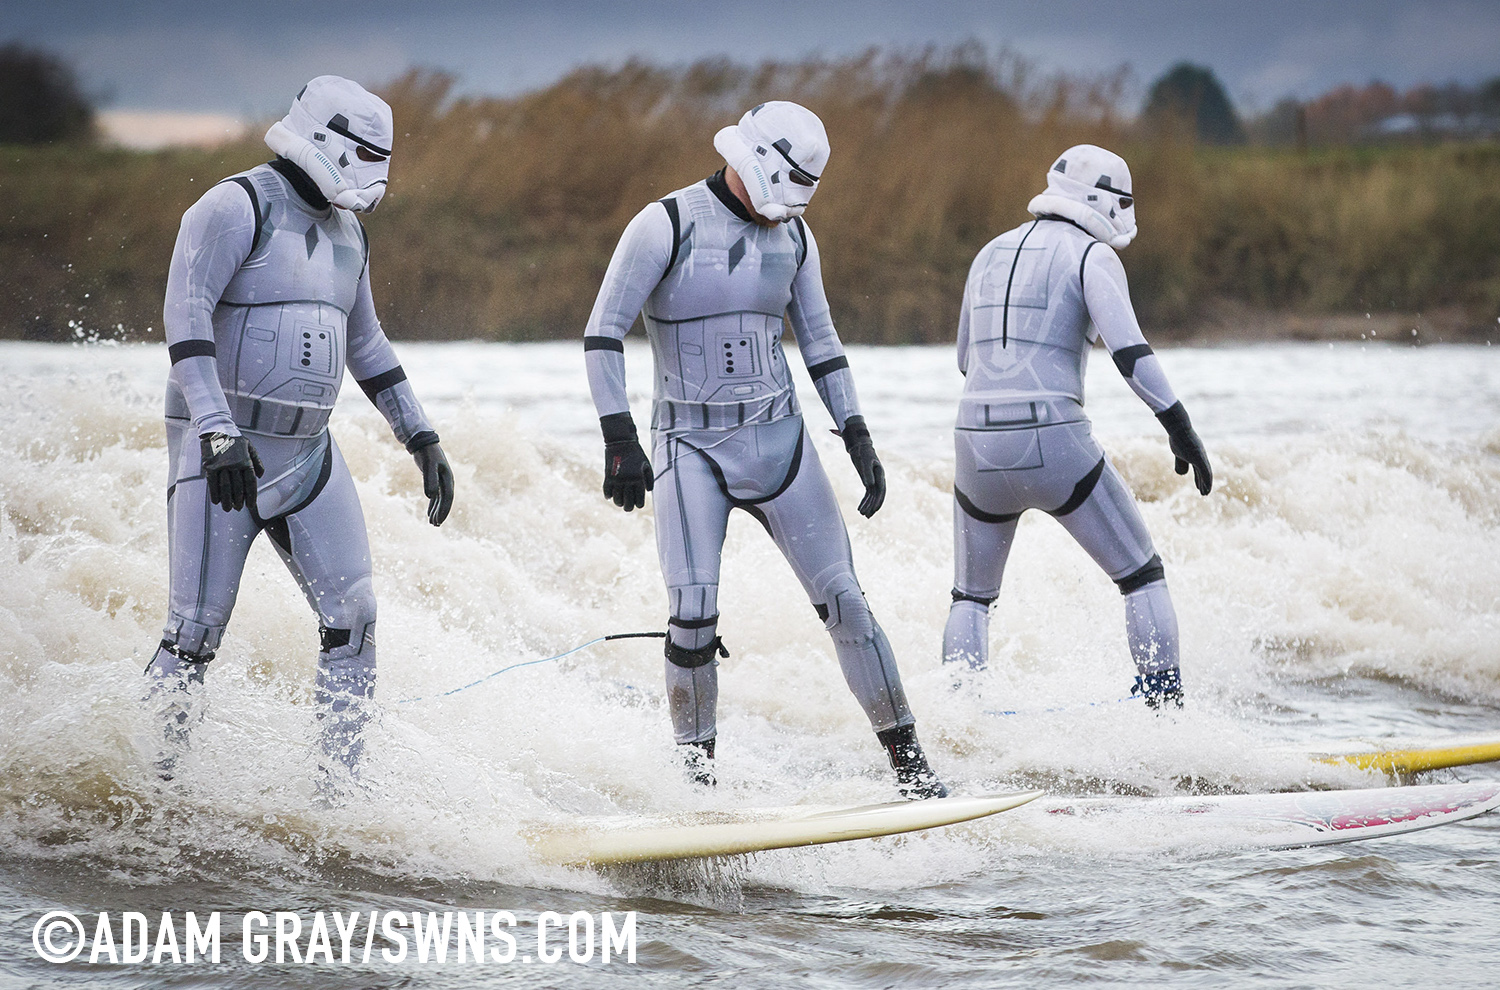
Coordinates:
340	135
779	150
1091	187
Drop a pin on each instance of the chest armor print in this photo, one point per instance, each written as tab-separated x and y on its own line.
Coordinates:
281	324
716	319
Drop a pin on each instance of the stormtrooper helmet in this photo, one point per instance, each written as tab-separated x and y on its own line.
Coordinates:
779	149
340	135
1091	187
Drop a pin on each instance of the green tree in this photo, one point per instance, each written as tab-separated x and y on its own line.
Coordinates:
1191	96
40	100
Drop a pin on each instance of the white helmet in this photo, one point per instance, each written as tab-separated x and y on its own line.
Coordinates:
779	149
340	135
1091	187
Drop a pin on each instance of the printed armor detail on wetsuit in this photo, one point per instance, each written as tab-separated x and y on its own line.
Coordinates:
715	320
281	324
1036	300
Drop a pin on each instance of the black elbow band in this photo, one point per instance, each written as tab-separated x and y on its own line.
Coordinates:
1136	580
1126	357
379	383
182	350
618	427
825	368
599	342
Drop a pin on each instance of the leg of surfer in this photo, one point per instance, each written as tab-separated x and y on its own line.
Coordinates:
325	546
1109	527
980	549
807	526
207	547
691	514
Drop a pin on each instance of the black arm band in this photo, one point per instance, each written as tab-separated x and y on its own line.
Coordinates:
424	439
1175	419
379	383
1126	357
185	349
618	427
599	342
825	368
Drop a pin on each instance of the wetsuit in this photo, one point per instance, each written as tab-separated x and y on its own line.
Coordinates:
1036	299
713	288
268	301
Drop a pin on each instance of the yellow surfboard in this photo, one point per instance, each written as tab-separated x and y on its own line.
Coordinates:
633	839
1409	756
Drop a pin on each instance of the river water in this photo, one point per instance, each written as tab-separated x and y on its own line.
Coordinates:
1342	580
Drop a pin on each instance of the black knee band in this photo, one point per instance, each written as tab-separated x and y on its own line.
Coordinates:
1150	571
681	656
182	654
332	639
703	623
959	596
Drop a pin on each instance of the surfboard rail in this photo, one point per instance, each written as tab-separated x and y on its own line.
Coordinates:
1294	819
633	839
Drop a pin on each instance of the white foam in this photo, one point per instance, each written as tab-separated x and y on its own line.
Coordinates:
1354	543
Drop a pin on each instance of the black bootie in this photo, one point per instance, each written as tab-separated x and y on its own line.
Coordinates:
1160	689
698	761
914	778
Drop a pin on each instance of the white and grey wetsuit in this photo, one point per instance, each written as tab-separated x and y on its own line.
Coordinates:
713	288
268	301
1036	299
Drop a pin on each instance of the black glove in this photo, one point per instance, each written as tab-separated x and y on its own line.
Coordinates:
228	463
862	452
627	469
437	476
1187	448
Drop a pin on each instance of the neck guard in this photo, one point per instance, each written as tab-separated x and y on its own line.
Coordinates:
1083	216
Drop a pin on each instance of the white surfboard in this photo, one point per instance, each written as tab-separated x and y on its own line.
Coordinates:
1398	756
1303	818
633	839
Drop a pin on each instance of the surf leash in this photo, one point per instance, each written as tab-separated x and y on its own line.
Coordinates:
532	663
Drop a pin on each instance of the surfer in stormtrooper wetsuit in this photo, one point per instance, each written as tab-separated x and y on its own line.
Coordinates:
1036	299
268	301
714	268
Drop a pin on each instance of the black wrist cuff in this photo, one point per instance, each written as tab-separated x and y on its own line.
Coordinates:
1175	419
618	428
855	431
424	439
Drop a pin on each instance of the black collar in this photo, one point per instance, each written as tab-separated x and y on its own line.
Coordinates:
719	186
1054	216
299	181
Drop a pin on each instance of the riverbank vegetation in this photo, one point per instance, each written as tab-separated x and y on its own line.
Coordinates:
502	213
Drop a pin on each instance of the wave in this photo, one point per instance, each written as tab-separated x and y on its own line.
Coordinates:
1320	558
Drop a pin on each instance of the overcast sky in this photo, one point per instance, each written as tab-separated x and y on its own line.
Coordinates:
247	58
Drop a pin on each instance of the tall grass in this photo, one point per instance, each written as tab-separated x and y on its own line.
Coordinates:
502	213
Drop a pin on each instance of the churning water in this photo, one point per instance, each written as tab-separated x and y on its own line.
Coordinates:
1343	579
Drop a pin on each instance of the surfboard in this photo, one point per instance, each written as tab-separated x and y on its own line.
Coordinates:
1409	755
634	839
1292	820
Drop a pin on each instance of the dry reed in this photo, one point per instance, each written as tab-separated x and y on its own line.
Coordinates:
502	213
